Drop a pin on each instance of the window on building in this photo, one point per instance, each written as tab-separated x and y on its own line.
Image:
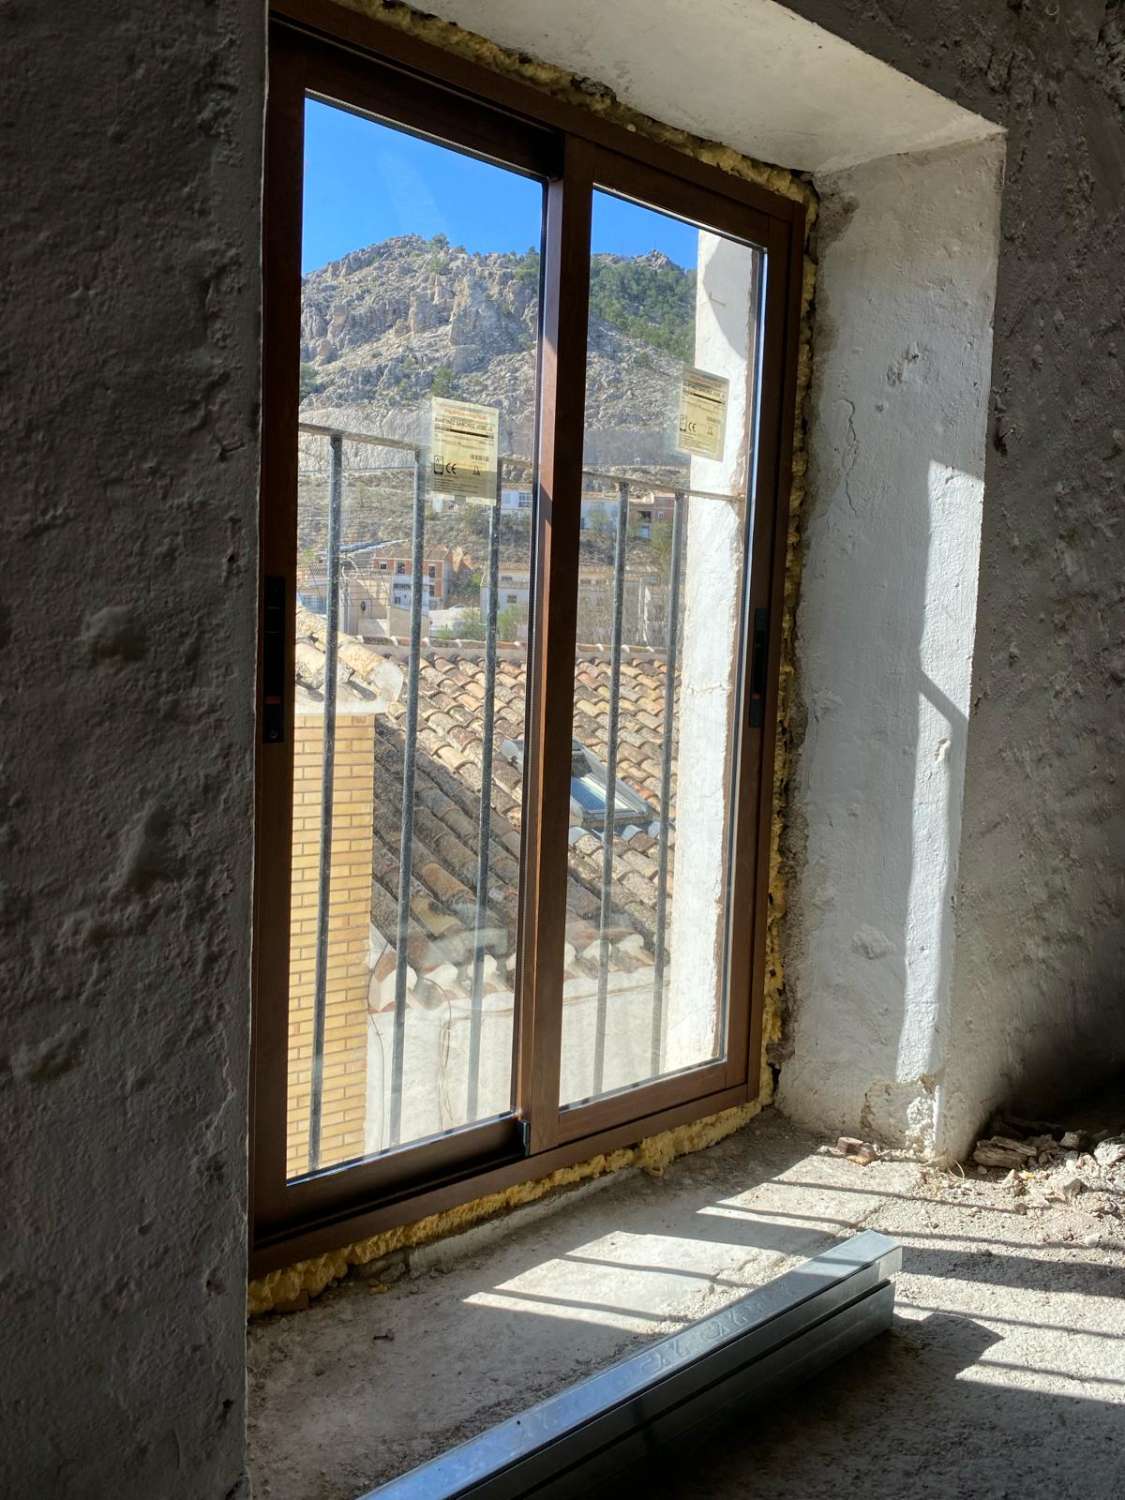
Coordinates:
511	891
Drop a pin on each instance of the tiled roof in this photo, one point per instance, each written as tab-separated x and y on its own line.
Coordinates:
446	806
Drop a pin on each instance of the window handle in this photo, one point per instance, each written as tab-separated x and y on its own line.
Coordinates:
758	661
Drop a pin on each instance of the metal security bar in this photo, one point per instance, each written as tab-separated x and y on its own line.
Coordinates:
619	549
484	831
406	836
331	643
679	522
334	582
336	438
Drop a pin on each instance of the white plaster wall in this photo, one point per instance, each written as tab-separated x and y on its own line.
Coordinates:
908	252
130	385
748	73
1035	1014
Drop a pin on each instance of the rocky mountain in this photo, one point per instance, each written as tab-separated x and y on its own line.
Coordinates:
386	327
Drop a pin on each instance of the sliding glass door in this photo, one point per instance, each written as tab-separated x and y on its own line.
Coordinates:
419	351
519	564
668	449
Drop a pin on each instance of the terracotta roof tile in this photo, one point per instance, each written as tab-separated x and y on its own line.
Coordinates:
447	782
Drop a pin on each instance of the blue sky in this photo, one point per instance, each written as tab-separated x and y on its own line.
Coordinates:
365	182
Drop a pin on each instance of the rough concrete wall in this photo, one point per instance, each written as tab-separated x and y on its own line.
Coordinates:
1036	1010
131	132
908	250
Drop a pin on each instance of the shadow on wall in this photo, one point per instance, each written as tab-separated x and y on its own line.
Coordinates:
894	1032
908	250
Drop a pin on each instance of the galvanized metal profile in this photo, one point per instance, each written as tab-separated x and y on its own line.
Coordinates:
484	828
675	1389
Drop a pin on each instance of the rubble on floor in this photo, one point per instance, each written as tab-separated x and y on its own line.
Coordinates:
862	1153
1048	1162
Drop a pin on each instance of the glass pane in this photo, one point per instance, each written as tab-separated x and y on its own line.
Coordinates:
418	284
669	417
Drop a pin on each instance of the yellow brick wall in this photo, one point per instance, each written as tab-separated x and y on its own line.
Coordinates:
345	1056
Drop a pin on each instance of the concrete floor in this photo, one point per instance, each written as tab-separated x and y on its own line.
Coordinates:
1004	1375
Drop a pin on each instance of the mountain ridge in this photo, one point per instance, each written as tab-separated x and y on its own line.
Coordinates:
389	325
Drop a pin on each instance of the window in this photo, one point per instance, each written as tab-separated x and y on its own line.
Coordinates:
512	846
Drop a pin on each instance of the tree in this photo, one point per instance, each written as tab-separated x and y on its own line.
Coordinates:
599	539
653	303
442	382
660	545
527	267
511	622
468	625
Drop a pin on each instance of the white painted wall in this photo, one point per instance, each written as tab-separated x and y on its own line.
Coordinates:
908	257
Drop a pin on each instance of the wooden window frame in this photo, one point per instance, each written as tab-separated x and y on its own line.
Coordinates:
316	47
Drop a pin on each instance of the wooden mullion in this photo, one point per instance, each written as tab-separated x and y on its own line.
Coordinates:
551	705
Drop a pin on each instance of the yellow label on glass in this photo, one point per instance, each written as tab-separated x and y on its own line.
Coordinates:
703	413
464	449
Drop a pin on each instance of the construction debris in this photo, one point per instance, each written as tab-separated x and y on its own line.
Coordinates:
1110	1152
862	1153
1003	1151
1047	1164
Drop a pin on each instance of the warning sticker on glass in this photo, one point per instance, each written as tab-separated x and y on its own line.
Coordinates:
703	413
464	445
